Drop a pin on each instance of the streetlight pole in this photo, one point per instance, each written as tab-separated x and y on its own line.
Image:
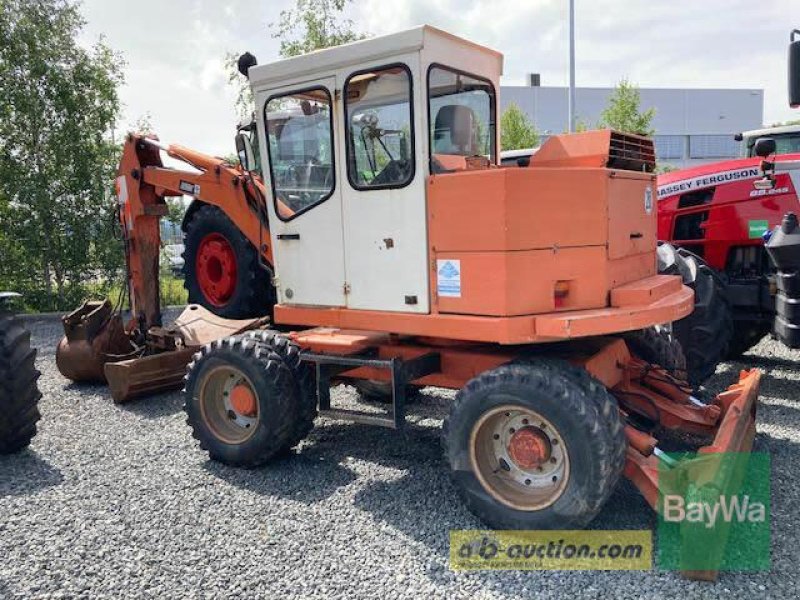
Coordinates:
571	66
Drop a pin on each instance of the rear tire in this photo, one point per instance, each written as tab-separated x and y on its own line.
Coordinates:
19	393
657	347
556	405
238	433
221	268
705	335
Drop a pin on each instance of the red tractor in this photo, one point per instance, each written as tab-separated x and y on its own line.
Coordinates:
722	212
738	219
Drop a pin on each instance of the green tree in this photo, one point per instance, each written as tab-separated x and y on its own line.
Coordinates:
516	130
58	107
310	25
313	25
623	112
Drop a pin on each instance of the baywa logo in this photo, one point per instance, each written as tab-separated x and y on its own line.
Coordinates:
734	509
714	512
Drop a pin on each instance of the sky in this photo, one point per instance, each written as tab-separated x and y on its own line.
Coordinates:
174	50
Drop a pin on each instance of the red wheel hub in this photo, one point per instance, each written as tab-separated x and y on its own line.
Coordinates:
529	448
216	269
243	400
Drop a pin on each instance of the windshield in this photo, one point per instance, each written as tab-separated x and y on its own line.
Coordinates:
785	143
379	127
300	138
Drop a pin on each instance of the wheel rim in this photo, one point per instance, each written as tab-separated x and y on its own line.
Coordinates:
519	457
216	269
228	404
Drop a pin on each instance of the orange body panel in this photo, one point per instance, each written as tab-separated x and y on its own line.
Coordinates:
586	149
644	291
547	327
518	233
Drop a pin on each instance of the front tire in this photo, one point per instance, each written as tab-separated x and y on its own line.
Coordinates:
221	268
19	393
535	446
240	402
303	379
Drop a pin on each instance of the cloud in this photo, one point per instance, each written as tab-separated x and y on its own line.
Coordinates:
174	49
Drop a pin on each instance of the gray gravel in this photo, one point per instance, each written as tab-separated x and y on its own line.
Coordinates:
120	502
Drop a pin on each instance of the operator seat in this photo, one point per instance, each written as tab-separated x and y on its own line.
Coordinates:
452	133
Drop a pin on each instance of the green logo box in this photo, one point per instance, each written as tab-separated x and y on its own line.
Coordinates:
714	512
757	228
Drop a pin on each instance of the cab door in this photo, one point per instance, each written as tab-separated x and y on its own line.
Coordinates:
383	188
305	208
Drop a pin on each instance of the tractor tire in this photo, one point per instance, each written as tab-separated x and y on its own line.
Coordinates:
19	393
240	402
221	268
745	336
657	347
706	334
303	376
537	444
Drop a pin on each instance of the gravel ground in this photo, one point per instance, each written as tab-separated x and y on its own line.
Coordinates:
120	502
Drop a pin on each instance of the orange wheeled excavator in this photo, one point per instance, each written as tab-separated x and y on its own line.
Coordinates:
396	249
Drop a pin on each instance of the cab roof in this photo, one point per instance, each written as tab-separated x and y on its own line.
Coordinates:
376	48
771	131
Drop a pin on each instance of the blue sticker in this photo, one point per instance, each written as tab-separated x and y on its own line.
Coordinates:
448	280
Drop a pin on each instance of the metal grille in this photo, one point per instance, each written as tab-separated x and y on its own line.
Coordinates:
631	152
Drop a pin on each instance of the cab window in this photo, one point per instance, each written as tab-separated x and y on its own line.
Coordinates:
462	121
784	143
300	138
379	125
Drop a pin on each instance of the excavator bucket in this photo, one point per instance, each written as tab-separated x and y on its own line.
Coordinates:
97	348
172	348
93	336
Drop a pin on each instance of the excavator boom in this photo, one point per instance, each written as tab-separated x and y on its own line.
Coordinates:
146	356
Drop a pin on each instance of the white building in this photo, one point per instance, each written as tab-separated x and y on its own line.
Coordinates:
692	126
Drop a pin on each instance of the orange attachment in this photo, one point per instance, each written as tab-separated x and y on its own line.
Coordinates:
651	391
143	184
733	431
243	400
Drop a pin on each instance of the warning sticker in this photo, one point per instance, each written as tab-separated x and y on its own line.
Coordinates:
448	278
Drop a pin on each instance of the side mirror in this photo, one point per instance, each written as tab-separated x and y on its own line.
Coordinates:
765	147
245	151
794	69
738	137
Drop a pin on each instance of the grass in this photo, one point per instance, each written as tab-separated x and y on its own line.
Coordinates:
171	287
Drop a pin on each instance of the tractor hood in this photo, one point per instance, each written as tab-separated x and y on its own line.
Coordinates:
709	175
